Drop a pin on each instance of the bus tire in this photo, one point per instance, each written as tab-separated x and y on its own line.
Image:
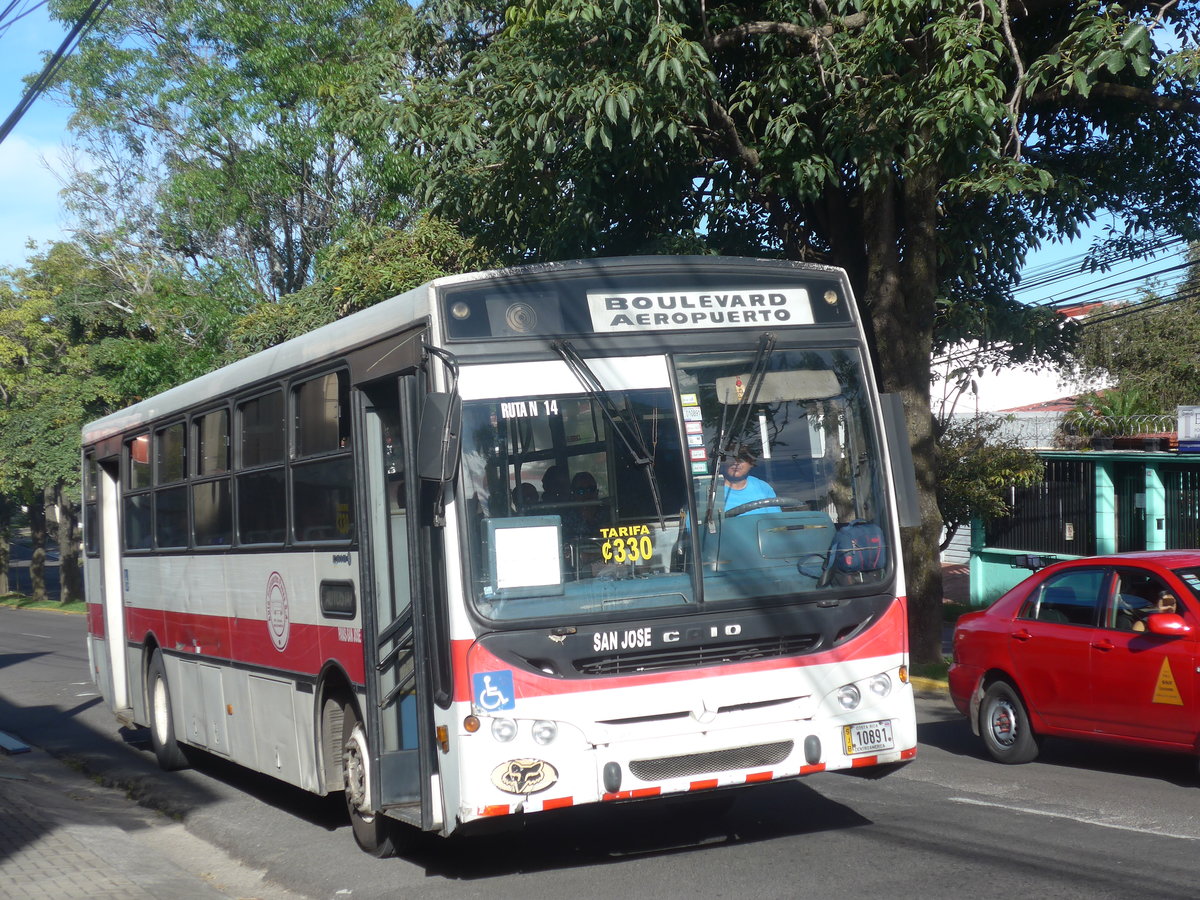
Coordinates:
1004	725
162	726
375	834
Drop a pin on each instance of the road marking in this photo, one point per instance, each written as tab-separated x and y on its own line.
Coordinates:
1139	829
44	637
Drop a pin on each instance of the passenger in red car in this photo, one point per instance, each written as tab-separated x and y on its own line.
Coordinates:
1166	604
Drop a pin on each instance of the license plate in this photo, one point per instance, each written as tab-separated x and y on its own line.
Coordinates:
866	737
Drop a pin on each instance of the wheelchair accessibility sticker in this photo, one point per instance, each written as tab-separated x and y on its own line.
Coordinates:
493	690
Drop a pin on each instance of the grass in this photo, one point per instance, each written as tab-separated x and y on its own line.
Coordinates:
937	671
20	601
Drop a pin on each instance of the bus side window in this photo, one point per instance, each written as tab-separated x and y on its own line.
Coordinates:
261	495
322	469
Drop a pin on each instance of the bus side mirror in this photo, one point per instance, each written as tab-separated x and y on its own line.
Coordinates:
907	499
438	439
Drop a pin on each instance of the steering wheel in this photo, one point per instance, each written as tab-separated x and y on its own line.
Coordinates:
762	502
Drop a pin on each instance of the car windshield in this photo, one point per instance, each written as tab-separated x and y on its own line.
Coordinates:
1191	577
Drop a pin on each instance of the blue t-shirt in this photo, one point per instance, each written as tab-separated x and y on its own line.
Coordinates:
755	489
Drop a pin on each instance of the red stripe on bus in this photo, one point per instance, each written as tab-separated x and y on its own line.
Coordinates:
95	620
809	770
498	809
884	638
703	785
864	761
910	753
759	776
305	648
559	803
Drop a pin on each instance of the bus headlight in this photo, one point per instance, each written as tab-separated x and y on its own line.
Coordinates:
848	696
504	730
881	685
544	732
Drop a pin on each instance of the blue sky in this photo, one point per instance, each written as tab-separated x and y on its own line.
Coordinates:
30	204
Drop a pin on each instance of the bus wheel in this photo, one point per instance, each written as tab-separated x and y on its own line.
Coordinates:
374	833
162	728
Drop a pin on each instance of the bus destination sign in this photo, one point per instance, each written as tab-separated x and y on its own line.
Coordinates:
653	311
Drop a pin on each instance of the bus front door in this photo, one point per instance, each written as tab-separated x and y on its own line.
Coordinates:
397	692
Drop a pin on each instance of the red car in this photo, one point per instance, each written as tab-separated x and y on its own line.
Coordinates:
1105	648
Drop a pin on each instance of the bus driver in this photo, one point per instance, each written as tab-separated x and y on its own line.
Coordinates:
740	486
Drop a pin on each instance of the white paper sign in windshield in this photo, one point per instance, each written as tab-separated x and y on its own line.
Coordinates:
655	311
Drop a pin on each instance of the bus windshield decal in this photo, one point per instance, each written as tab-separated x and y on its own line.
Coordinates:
652	311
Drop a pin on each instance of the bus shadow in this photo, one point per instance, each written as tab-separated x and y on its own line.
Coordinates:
612	833
15	659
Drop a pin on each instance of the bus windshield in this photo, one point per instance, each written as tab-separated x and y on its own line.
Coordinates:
561	520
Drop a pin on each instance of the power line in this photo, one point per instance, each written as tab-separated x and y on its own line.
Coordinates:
70	42
6	22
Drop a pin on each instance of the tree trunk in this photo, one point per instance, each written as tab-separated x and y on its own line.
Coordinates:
6	512
37	540
899	307
70	572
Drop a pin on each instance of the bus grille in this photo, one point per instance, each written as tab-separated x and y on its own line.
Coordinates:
717	761
703	655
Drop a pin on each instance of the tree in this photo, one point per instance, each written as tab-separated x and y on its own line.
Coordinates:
1147	348
923	147
205	139
370	265
976	465
72	348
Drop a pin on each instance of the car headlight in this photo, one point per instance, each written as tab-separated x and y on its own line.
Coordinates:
504	730
880	685
848	696
544	732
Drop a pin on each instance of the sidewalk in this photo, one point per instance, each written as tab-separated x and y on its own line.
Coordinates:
64	837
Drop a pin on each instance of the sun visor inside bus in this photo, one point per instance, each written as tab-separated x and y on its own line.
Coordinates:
802	384
437	443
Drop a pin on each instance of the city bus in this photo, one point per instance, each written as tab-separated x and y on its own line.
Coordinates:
479	551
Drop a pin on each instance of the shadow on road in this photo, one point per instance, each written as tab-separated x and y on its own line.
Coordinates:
618	832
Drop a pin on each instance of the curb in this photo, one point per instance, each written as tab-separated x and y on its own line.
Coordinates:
934	686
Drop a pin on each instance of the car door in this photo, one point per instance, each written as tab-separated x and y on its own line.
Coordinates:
1051	647
1144	685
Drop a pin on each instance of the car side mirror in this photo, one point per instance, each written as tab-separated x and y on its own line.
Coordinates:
1167	624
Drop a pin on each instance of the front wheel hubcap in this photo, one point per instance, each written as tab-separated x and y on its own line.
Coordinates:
1003	723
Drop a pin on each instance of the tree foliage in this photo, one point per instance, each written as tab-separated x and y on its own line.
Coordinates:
369	266
1147	348
205	136
924	147
77	343
977	465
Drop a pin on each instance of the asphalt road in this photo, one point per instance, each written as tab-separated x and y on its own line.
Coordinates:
1082	821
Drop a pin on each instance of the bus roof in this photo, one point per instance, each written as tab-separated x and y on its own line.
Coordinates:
391	316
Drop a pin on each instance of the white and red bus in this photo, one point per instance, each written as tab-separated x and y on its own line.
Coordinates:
470	553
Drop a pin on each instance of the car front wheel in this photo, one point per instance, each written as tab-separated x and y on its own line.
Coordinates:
1004	725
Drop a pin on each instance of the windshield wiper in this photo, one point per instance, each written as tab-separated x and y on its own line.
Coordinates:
741	415
629	432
